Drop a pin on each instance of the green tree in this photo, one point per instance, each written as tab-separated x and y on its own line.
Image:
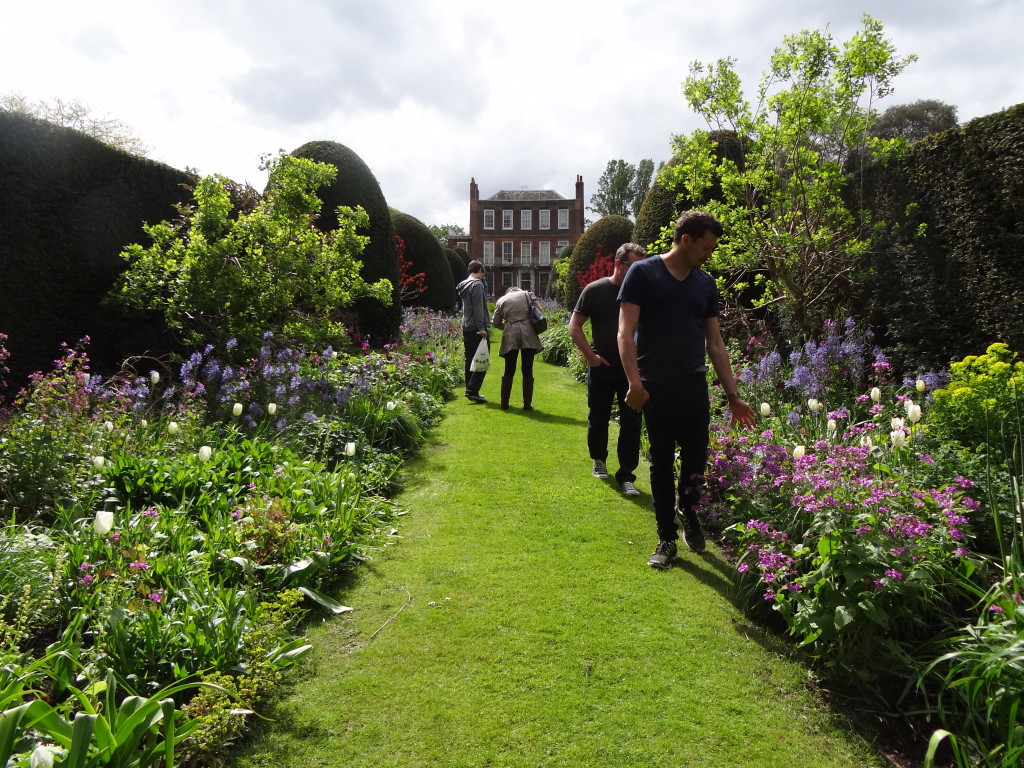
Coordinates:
443	231
78	116
784	209
218	273
915	121
622	188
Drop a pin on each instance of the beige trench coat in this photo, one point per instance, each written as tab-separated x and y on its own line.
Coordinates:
512	315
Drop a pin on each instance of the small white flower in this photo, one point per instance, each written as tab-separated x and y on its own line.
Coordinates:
832	426
876	394
766	409
172	427
41	757
103	522
907	405
391	405
812	404
236	409
272	408
205	452
896	423
350	449
914	413
799	451
920	385
143	423
865	442
334	355
154	378
98	462
108	425
899	439
351	477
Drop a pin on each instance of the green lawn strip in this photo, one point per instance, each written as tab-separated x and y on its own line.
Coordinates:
517	624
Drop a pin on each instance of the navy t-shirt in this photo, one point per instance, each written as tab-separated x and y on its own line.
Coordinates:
671	333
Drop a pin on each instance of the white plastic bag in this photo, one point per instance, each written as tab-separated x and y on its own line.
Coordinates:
482	358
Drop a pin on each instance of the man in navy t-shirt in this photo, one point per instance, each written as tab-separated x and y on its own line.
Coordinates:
668	326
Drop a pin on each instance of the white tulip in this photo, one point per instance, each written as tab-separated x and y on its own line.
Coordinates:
172	427
799	451
351	478
154	378
899	439
896	423
766	409
876	394
98	462
236	410
865	442
143	423
103	522
350	449
920	385
391	405
272	408
914	413
813	404
907	405
41	757
832	426
334	355
205	453
108	425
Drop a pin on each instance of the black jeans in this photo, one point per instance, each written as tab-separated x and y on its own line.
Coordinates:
510	358
474	379
605	385
678	413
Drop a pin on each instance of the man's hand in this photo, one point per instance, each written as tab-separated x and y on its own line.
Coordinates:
483	334
595	361
637	397
742	413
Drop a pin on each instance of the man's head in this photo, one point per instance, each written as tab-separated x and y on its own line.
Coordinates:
696	224
627	254
476	269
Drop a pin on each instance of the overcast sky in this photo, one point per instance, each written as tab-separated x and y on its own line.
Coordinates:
526	94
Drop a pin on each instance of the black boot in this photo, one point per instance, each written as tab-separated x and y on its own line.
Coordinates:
506	392
527	394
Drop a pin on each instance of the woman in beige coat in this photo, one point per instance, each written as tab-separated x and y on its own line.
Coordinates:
512	315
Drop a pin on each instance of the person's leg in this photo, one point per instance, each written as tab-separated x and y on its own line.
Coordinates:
470	340
528	355
474	379
511	359
630	424
600	391
693	440
506	379
660	416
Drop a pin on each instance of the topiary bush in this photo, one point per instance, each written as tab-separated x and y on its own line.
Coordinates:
425	255
603	236
458	266
355	185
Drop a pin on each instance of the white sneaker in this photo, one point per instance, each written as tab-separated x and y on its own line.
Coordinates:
600	471
628	489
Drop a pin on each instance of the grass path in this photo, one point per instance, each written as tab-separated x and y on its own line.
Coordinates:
515	623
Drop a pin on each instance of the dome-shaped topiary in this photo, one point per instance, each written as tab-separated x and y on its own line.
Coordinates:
457	265
426	255
604	236
355	185
464	255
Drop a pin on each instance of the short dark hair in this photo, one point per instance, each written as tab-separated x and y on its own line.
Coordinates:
696	224
627	248
474	267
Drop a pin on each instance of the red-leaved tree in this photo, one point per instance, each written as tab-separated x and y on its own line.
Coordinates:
602	266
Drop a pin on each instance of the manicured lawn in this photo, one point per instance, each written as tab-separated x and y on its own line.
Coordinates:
514	622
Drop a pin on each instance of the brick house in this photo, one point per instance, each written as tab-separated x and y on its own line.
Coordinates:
518	233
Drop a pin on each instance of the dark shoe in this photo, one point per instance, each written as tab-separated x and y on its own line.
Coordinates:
600	470
663	554
527	394
477	398
693	536
628	489
506	393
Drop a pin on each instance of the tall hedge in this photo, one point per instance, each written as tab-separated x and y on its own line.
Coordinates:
458	266
426	255
68	205
605	235
355	185
946	277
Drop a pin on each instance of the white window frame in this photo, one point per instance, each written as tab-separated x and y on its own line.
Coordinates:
526	219
543	277
488	253
563	218
544	219
488	219
506	219
526	279
544	254
506	253
525	253
506	279
462	244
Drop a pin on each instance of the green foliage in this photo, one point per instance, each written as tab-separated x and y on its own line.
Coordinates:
559	348
980	407
603	236
457	265
375	321
426	256
784	209
77	203
914	122
218	274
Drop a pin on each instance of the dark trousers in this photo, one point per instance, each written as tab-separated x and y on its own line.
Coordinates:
474	379
512	356
678	414
605	385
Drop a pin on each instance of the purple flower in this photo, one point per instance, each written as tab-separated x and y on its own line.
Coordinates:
139	565
892	573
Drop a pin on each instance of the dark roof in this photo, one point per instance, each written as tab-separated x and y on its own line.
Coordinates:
526	194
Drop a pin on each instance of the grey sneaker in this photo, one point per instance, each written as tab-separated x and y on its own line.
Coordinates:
600	471
628	489
693	536
477	398
663	554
